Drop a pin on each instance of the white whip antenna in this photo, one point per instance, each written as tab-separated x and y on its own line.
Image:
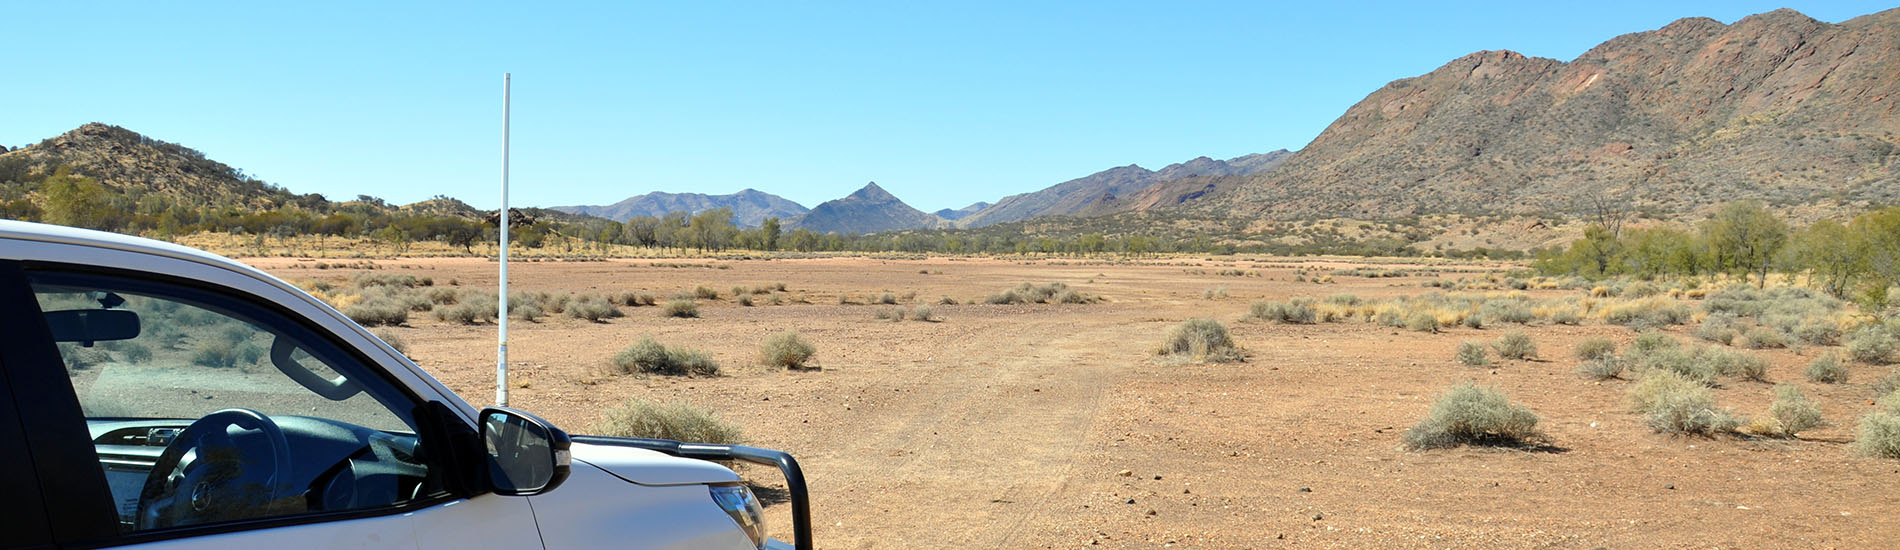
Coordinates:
501	337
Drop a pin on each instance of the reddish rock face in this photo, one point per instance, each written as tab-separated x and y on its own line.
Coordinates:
1777	106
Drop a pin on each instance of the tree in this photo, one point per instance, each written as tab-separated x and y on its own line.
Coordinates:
771	231
1745	237
76	201
1834	256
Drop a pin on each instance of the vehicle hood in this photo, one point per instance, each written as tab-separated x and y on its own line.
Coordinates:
651	467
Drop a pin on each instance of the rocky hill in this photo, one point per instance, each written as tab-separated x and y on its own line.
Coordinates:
749	207
868	210
1103	192
126	162
1779	107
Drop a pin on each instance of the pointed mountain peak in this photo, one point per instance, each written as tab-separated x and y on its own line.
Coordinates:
871	192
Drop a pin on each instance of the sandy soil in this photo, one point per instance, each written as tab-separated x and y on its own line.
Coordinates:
1054	426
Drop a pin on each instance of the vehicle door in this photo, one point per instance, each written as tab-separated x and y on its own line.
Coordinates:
173	413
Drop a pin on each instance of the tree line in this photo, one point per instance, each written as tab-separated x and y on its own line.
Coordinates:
1859	259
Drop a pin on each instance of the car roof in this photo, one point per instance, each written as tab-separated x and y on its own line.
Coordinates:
29	231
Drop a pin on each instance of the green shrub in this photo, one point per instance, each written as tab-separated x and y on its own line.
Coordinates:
1421	322
1763	338
1473	321
129	351
1296	311
1878	435
1566	317
680	308
1887	384
1653	341
1506	311
1468	414
1515	345
377	312
1871	344
593	308
1203	340
394	340
1744	365
1601	368
443	296
1718	328
1827	369
530	311
677	421
1594	348
366	280
1793	411
745	300
786	349
1819	332
1674	404
1472	354
648	356
226	355
472	311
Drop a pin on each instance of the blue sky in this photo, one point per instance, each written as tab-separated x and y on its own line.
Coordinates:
942	104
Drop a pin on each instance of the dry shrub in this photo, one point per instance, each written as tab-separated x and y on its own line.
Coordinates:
593	308
1296	311
1472	354
1793	411
1202	340
394	340
1871	344
1674	404
1515	345
685	309
678	421
1827	369
786	349
1602	368
1878	435
1469	414
648	356
1594	348
923	313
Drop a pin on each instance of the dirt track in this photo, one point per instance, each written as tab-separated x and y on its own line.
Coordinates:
1010	426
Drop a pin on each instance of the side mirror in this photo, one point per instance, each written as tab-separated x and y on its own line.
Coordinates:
526	455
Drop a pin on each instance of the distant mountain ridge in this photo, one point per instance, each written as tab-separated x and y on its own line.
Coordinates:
1103	192
960	213
1778	107
749	207
870	209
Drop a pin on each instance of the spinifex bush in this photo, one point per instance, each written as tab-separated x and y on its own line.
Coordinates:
786	349
1202	340
677	421
648	356
1469	414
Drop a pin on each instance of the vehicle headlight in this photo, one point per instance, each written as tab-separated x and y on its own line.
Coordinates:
743	506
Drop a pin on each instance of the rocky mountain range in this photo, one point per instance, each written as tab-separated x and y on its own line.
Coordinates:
1103	192
749	207
1777	106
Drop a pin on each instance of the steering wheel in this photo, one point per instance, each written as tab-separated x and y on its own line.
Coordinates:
213	471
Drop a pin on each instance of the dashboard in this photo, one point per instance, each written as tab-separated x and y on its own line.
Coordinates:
334	465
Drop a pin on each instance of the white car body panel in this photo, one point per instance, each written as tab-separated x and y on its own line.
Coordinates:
651	467
597	510
615	496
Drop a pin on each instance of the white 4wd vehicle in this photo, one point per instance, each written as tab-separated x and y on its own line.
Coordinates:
156	396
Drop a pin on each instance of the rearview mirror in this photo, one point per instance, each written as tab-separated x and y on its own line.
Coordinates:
526	455
92	325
